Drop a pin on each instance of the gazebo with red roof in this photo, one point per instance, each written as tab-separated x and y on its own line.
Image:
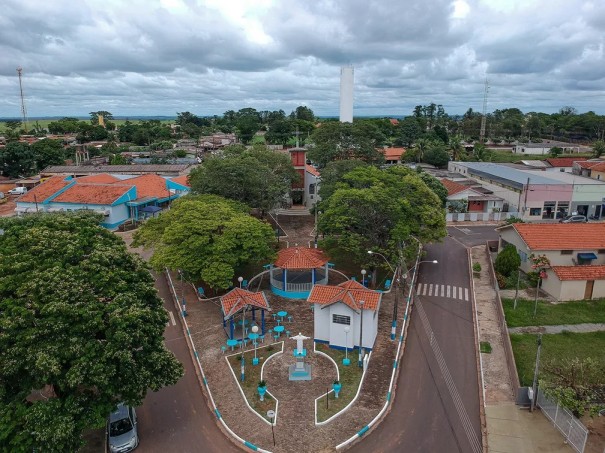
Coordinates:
296	270
337	307
240	300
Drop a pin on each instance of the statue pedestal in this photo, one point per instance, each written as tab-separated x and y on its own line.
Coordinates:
300	371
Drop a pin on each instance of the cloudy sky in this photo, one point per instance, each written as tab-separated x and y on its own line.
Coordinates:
159	57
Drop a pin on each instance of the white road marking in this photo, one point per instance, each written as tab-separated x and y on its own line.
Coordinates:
426	286
466	294
430	289
419	289
172	318
448	292
442	290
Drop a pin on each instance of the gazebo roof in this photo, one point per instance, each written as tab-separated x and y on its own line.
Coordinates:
349	293
236	299
300	258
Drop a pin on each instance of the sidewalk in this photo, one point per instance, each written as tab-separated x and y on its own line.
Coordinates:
510	428
578	328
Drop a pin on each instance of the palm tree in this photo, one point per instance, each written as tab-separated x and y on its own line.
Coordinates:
456	149
420	147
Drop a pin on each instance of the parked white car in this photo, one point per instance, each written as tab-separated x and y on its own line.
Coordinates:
18	191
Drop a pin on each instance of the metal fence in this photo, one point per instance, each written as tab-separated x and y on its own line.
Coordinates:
574	432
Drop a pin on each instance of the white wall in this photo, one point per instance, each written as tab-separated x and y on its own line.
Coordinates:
321	322
326	330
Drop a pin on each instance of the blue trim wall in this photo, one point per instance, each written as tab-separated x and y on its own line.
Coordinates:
128	196
289	294
339	348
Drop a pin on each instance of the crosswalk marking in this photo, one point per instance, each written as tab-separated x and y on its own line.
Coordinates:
438	290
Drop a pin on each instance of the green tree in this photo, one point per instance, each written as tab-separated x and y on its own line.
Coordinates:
280	132
303	113
436	155
374	209
598	148
208	237
342	141
332	175
409	131
48	152
247	125
84	323
17	160
435	185
457	151
508	260
555	151
94	117
258	177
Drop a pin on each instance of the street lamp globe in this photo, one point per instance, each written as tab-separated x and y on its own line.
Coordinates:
254	329
240	280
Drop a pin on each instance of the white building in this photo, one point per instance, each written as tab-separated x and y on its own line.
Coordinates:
346	94
337	308
544	148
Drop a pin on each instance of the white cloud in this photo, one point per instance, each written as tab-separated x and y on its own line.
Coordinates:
163	56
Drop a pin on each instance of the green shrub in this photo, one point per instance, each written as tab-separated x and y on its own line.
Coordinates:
485	347
501	279
476	267
507	261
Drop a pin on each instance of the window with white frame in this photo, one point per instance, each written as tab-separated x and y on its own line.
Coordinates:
341	319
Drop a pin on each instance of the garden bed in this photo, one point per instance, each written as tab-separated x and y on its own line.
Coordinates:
253	376
350	378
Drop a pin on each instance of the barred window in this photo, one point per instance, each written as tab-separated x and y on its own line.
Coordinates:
340	319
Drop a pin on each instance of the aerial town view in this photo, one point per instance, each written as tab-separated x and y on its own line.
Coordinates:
297	227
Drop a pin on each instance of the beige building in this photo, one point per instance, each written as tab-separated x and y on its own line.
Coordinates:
576	253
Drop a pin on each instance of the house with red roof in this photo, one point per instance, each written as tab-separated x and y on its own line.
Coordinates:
118	197
346	315
393	156
576	252
562	164
477	198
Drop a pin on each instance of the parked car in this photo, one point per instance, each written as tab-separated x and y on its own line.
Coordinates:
122	433
574	219
18	191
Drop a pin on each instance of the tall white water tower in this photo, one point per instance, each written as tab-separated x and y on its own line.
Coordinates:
346	94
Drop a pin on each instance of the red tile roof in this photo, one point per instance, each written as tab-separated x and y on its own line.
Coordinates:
101	178
562	236
183	180
148	186
588	164
564	161
104	194
596	272
599	166
238	298
393	153
394	121
349	293
311	169
45	190
452	187
300	258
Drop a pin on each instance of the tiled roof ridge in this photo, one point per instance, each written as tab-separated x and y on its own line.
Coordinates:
562	236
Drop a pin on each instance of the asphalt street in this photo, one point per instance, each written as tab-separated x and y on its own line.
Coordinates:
473	235
177	418
436	407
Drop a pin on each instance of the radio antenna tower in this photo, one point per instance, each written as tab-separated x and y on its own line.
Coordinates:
483	117
23	109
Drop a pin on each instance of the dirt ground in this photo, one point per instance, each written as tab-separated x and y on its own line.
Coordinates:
7	209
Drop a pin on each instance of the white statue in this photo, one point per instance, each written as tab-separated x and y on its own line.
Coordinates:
299	342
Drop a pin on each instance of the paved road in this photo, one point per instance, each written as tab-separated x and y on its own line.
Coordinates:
436	408
177	418
473	235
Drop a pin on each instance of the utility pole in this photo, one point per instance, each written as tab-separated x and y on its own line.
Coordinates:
397	278
536	370
483	118
23	110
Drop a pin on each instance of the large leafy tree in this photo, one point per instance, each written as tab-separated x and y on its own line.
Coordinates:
17	160
48	152
208	237
374	209
333	173
342	141
79	319
258	177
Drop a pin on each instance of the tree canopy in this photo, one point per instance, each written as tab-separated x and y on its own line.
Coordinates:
79	318
258	177
342	141
374	209
208	237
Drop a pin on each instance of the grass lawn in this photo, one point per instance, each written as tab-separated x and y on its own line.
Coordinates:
253	377
547	314
555	347
350	376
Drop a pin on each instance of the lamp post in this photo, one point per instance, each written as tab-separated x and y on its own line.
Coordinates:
346	360
255	331
536	371
240	280
183	303
363	277
360	362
